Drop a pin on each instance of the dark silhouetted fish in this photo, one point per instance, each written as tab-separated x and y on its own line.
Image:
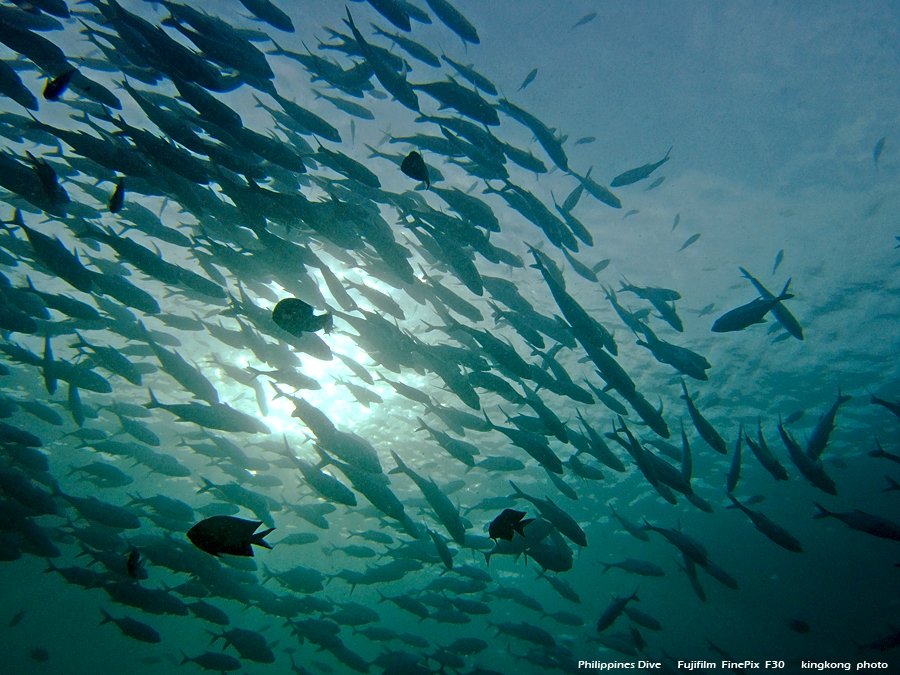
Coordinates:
296	317
414	166
58	85
508	523
227	535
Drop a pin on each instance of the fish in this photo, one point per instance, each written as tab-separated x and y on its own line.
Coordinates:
734	472
799	626
454	20
58	85
528	80
266	10
296	317
394	11
706	430
750	314
586	19
818	439
878	149
117	199
781	313
614	611
509	523
414	166
634	175
861	521
769	528
690	240
137	630
227	535
779	257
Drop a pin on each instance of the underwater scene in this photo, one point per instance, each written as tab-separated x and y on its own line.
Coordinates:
449	336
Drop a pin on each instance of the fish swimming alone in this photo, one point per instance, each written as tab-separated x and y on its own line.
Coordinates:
228	535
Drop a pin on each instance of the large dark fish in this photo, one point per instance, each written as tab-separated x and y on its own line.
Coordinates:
414	166
508	523
228	535
296	317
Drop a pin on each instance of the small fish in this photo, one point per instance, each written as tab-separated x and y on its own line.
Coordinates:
793	417
879	148
690	240
507	524
631	213
799	626
655	184
528	79
133	564
639	173
600	266
296	317
17	618
58	85
587	18
584	140
39	654
117	200
414	166
227	534
677	220
778	258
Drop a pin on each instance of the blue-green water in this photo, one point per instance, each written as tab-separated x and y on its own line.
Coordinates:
773	112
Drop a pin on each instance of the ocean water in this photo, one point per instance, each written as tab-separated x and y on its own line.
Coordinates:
773	112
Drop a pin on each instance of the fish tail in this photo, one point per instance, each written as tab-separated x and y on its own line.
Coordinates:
400	465
185	658
823	512
106	617
258	538
606	567
153	403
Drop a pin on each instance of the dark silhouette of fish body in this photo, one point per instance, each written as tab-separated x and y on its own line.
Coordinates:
414	166
58	85
296	317
747	315
507	524
228	535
